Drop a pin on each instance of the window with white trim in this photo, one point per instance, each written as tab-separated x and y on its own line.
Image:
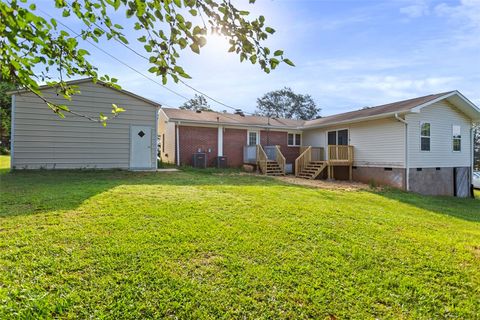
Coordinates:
457	138
294	139
252	138
425	136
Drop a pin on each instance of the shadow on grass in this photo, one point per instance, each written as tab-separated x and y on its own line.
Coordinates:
466	209
30	192
38	191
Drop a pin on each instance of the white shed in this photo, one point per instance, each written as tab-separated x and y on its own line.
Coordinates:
42	140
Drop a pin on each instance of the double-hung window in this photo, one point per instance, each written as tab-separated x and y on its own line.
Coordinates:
294	139
457	138
338	137
425	136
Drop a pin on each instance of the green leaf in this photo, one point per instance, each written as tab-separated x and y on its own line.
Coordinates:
195	48
33	7
178	3
278	53
290	63
270	30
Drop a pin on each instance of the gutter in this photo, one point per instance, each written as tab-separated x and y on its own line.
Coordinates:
407	168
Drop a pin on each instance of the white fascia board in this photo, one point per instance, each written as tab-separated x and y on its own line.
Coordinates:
449	95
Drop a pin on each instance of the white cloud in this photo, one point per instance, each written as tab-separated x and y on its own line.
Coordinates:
416	10
467	12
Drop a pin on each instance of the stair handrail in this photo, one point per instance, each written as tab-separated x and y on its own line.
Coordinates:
303	160
280	158
261	159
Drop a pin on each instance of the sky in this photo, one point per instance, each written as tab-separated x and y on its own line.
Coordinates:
348	54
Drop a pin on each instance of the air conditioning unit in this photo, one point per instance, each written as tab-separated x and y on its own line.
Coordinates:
222	162
199	160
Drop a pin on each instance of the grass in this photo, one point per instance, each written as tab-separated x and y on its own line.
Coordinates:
198	244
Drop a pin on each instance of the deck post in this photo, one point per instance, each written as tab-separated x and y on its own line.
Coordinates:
350	172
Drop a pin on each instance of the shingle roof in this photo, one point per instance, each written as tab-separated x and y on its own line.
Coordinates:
395	107
358	115
229	118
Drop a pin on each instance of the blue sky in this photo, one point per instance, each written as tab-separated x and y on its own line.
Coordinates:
348	54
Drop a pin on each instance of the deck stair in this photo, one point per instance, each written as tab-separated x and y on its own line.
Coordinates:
313	169
273	169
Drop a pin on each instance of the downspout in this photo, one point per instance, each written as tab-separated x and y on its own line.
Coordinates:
177	138
472	151
407	168
12	132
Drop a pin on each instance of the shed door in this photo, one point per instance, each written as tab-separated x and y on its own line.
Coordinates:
141	147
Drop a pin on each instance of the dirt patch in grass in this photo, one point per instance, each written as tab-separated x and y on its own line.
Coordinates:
323	184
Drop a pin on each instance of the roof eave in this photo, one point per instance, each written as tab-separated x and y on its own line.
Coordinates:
233	124
361	119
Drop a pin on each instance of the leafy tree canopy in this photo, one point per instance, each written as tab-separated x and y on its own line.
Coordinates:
5	110
287	104
198	103
36	47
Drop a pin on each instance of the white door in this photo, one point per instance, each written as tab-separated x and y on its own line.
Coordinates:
141	147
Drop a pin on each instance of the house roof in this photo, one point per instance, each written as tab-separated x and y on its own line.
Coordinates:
101	83
380	111
213	117
399	107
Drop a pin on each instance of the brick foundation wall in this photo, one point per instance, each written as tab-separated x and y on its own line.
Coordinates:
233	142
194	138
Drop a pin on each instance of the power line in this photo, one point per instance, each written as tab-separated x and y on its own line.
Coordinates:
180	80
237	110
120	61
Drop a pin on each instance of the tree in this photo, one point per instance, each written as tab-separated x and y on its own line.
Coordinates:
287	104
5	111
33	44
198	103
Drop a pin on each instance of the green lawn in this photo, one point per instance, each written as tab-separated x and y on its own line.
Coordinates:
198	244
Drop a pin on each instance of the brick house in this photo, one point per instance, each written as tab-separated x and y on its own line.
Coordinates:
423	144
223	135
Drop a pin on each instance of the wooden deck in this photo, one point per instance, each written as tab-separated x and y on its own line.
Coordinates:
311	162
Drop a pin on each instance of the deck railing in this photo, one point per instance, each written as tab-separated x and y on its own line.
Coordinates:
262	159
280	158
303	160
337	153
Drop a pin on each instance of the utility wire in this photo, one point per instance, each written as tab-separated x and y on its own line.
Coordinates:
237	110
180	80
120	61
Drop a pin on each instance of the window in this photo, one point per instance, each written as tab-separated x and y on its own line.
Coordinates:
339	137
252	139
457	138
294	139
425	136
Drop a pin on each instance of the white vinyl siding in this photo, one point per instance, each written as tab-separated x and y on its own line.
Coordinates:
441	116
44	140
377	143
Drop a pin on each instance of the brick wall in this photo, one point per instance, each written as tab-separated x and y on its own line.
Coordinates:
233	142
273	138
194	138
